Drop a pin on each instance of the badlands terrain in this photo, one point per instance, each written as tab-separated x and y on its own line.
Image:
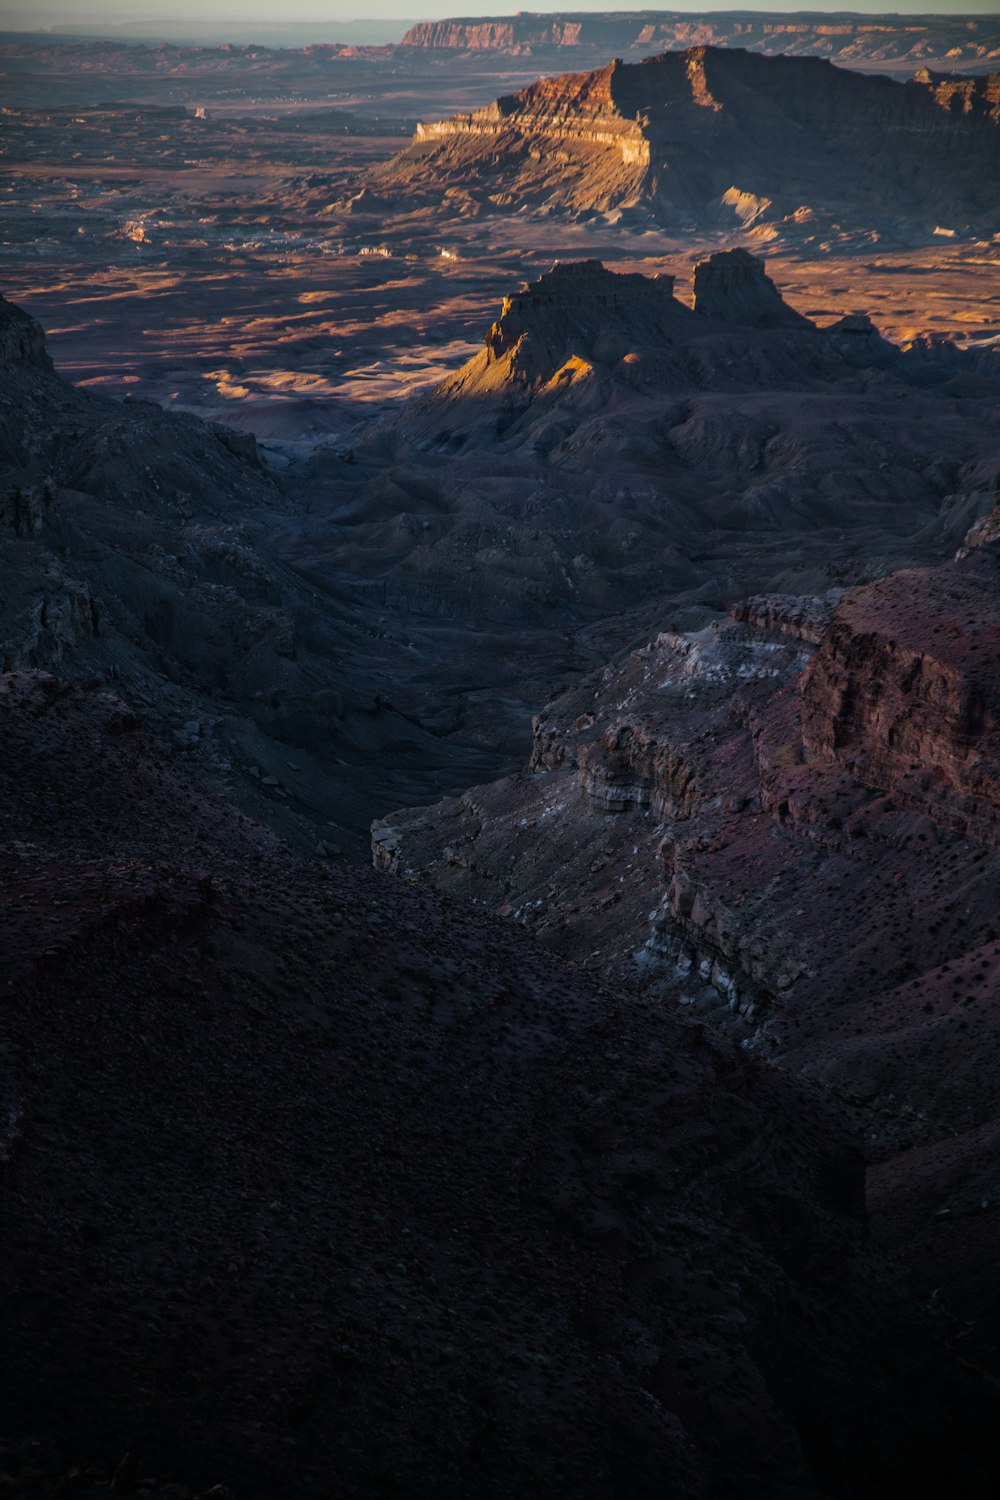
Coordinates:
588	482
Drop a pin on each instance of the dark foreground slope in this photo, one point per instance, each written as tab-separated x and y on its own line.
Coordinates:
719	137
138	547
313	1184
788	824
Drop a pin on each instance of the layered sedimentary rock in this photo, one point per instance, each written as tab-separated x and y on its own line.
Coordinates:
305	1172
904	693
789	823
717	137
895	42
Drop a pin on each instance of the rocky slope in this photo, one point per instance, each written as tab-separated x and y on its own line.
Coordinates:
788	823
377	628
610	448
895	43
138	548
311	1173
726	138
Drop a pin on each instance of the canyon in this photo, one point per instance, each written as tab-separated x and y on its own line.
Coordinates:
286	626
408	459
346	1178
786	824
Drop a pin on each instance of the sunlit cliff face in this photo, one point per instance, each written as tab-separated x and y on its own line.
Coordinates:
165	274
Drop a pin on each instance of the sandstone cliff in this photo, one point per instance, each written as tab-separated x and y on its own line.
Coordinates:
700	134
897	43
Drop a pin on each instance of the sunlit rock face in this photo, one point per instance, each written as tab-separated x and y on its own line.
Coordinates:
725	136
898	43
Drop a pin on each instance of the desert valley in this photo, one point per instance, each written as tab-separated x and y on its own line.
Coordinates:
500	723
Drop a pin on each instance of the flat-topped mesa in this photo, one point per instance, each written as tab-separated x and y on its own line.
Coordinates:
520	33
898	43
713	135
22	341
733	287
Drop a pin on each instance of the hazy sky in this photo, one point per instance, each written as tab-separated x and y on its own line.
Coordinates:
239	12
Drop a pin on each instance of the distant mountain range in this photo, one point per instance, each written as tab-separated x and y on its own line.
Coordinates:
886	43
893	42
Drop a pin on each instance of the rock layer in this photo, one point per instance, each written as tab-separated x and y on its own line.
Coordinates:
895	42
722	137
307	1172
904	693
789	825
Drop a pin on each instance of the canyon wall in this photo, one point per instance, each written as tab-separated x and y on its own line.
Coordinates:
892	41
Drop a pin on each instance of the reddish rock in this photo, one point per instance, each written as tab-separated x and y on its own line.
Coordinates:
717	135
311	1172
897	43
904	692
804	852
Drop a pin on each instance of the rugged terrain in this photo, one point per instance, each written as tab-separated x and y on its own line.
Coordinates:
291	299
722	137
138	549
611	447
646	461
890	43
657	1147
788	823
308	1173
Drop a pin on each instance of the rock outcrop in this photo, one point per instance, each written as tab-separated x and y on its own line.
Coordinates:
22	342
732	287
904	693
718	137
789	824
308	1172
610	448
898	43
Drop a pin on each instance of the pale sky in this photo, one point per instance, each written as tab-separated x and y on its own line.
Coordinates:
239	13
